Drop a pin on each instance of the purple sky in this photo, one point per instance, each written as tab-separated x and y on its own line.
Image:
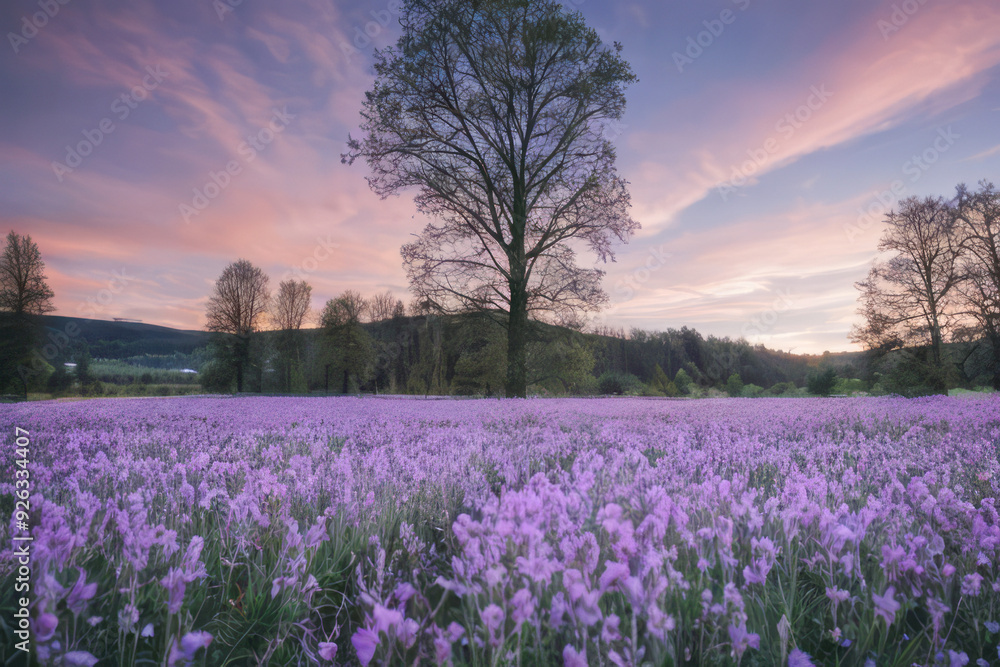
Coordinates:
756	136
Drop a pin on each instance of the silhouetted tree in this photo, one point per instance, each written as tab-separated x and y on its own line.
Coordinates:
909	298
237	309
24	294
978	222
384	306
289	311
351	356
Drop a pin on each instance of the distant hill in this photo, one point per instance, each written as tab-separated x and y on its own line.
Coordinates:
119	340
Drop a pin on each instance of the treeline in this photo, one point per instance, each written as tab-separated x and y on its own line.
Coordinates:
410	352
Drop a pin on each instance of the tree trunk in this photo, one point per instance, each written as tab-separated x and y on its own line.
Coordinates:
517	334
242	354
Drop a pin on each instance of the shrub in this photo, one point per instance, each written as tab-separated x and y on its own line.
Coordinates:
619	384
822	382
734	385
683	381
783	389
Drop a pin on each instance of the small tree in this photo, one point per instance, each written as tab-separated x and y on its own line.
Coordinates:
289	311
683	381
734	385
822	382
237	309
384	306
290	307
82	370
351	357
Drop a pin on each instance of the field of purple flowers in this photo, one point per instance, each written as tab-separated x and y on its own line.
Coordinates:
579	532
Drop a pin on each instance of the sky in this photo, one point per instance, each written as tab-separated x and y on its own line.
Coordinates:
146	145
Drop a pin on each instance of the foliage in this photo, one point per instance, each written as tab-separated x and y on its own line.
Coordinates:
619	384
821	383
783	389
734	385
683	381
349	354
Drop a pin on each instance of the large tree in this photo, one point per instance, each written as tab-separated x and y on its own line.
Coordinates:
497	111
978	222
908	299
24	294
237	309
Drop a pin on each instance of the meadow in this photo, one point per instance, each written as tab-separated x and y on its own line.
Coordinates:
215	531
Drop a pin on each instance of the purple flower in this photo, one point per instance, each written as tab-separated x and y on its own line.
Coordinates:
79	659
742	640
389	621
316	535
442	647
327	650
756	571
886	605
573	659
971	584
80	594
175	585
493	618
524	606
610	633
45	626
192	641
957	659
365	641
404	592
659	623
614	575
798	658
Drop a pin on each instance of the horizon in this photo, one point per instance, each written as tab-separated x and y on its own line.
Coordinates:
763	142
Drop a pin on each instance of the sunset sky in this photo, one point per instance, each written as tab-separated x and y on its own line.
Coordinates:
756	136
